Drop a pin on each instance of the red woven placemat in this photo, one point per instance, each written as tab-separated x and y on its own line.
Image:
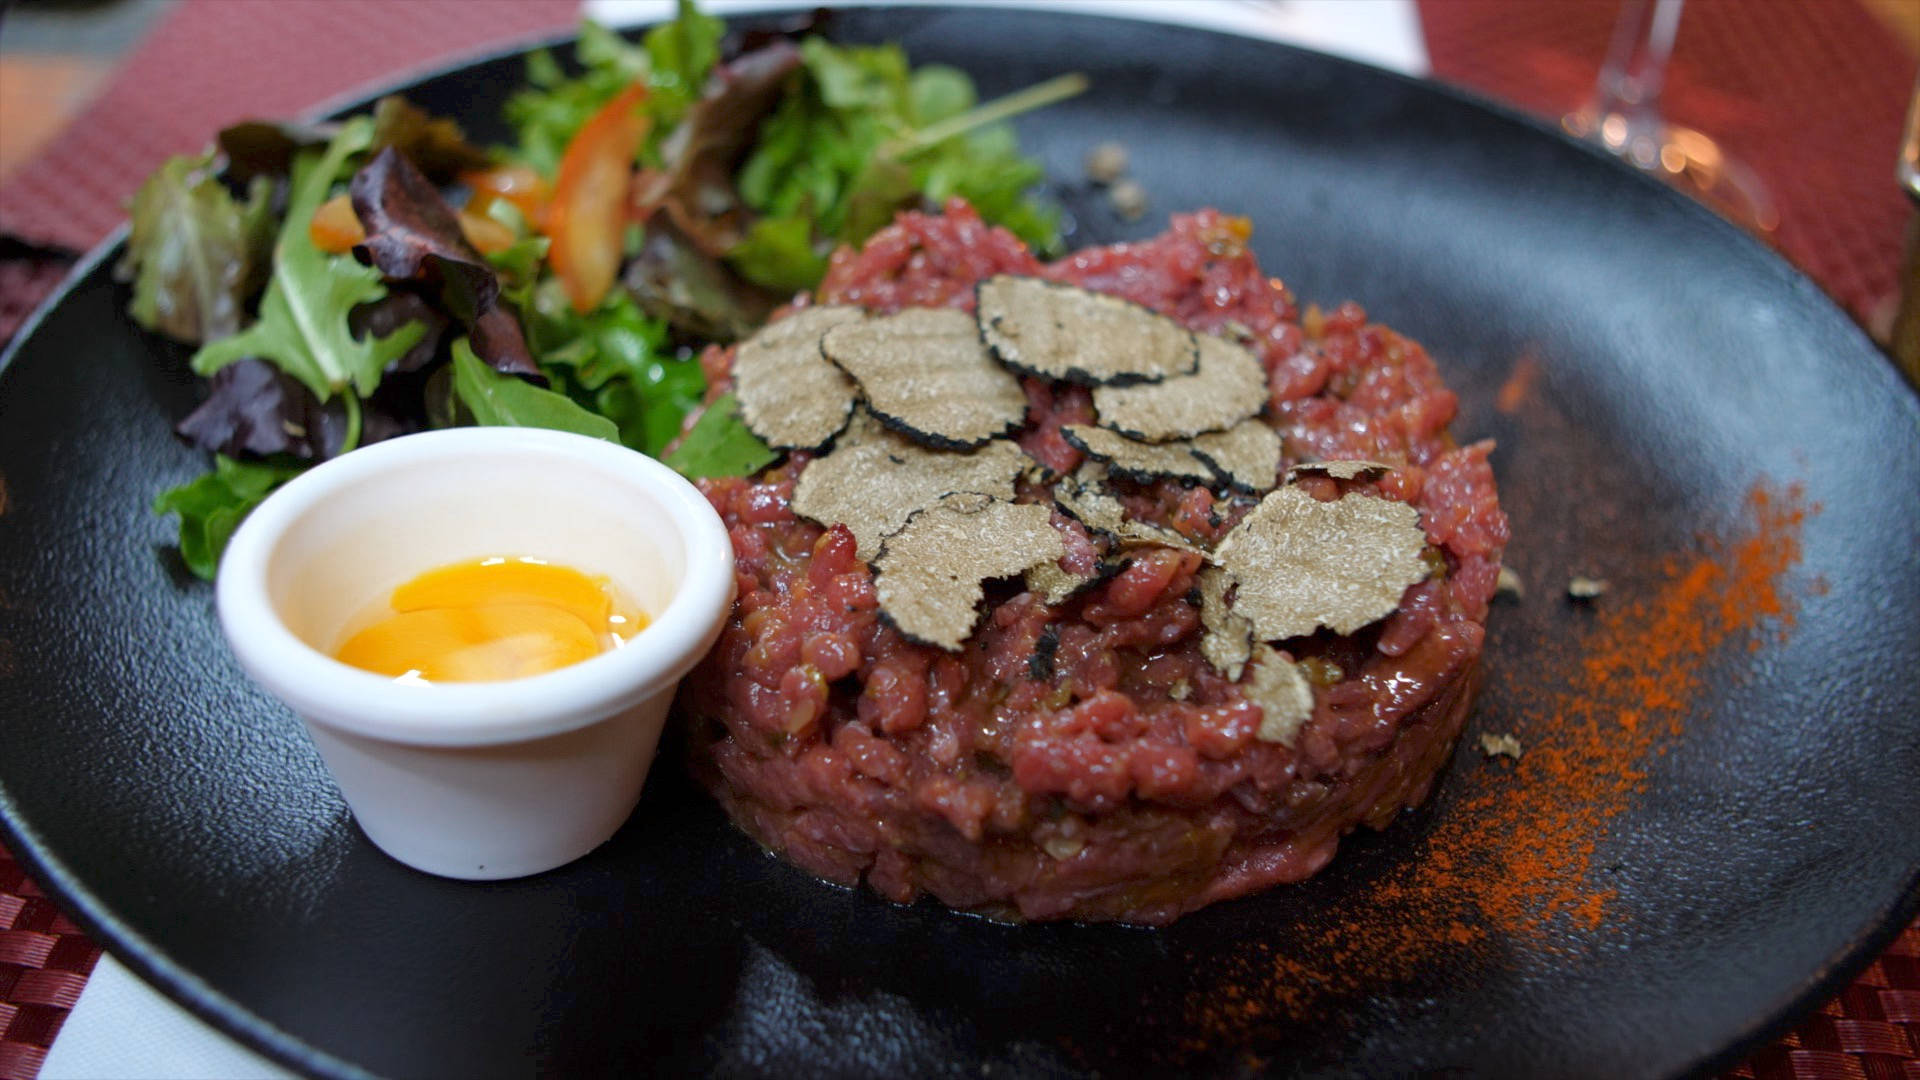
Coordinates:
44	961
1809	92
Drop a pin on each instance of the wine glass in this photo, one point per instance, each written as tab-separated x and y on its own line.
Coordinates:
1624	118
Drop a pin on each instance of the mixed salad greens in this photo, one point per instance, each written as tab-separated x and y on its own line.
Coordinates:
346	283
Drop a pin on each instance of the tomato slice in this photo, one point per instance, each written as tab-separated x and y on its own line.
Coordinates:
488	237
335	228
587	219
520	185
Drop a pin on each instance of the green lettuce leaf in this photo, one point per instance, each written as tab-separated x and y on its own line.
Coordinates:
778	252
720	444
498	400
615	360
867	136
555	105
196	255
673	59
212	506
302	328
680	53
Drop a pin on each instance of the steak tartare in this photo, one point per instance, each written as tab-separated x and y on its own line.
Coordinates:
1083	754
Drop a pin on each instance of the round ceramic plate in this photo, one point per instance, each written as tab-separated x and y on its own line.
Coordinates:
1772	847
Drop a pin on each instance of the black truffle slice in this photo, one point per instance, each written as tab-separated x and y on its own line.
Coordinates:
789	394
1055	584
873	480
1246	456
1138	460
1341	470
930	572
1058	331
925	373
1229	386
1283	693
1086	497
1228	641
1300	563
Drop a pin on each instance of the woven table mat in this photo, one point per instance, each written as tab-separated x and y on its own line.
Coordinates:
1811	93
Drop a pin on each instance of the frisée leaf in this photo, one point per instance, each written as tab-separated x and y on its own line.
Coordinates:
196	254
303	328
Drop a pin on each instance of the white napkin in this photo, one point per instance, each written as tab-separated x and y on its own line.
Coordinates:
122	1029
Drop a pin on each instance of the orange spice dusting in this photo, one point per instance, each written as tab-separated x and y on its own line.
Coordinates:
1515	860
1518	388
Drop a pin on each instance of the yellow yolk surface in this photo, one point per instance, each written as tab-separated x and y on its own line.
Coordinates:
492	619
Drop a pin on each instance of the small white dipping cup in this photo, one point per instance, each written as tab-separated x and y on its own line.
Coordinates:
479	780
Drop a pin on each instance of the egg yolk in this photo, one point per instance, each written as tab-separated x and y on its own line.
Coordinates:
489	620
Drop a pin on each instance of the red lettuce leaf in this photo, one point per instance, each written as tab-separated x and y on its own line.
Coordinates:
413	235
695	188
695	293
256	410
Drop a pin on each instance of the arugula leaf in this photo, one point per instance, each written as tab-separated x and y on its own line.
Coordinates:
614	360
196	256
212	506
857	77
720	444
498	400
303	327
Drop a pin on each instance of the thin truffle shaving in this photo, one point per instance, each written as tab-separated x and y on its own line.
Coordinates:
1245	456
873	480
1138	460
1229	386
789	393
1341	470
929	574
1284	695
1086	498
1301	564
925	373
1058	331
1228	642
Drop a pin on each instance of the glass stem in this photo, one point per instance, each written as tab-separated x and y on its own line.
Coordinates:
1627	97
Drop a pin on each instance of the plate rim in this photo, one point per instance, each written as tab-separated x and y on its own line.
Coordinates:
147	960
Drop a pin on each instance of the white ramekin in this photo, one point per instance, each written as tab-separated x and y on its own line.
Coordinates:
478	780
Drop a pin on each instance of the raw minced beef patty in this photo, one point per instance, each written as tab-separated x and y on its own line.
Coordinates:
1086	761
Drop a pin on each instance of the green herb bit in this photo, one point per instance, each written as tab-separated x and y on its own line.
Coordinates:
212	506
720	444
615	361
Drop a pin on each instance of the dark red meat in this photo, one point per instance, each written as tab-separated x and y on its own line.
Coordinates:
1084	761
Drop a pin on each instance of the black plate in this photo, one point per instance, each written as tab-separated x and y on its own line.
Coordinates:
183	817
